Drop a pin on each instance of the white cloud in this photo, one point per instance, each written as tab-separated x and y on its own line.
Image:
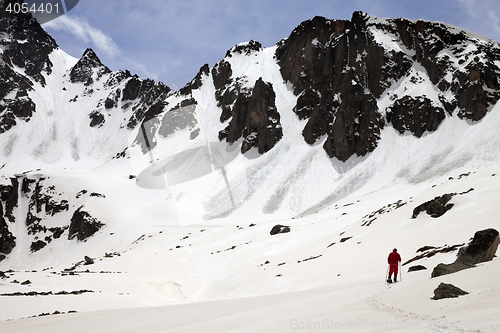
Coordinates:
81	29
485	14
495	21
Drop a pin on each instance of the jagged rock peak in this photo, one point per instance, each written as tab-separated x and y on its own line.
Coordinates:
84	69
196	82
91	57
25	44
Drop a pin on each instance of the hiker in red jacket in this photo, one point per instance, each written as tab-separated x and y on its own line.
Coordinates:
394	259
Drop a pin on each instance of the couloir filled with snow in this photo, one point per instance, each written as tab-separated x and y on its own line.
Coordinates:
197	255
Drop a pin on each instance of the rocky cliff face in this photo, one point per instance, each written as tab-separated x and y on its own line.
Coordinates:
111	101
251	111
25	45
8	200
47	214
255	119
339	69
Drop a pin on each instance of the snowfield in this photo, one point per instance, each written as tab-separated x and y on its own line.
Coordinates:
266	282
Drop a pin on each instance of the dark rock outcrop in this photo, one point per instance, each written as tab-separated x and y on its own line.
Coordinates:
279	229
482	248
8	200
9	197
25	45
415	114
28	45
96	119
40	200
225	93
7	239
84	69
255	118
88	260
37	245
83	225
251	111
435	207
445	290
181	116
336	70
430	251
245	48
132	89
416	268
148	98
196	82
444	269
339	69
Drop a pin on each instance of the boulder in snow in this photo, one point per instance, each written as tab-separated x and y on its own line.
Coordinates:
445	290
482	248
435	207
88	260
279	229
416	268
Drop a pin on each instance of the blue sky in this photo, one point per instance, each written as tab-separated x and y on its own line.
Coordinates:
170	40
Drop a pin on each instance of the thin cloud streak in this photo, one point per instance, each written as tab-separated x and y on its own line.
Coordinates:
81	29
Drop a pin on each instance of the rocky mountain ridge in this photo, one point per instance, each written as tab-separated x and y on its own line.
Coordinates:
340	70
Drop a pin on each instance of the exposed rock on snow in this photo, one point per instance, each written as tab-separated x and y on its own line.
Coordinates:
430	251
197	82
32	56
7	240
96	119
150	96
254	118
332	79
8	201
416	268
415	114
245	48
279	229
37	245
87	67
339	68
445	290
435	207
482	248
88	260
83	225
370	218
180	117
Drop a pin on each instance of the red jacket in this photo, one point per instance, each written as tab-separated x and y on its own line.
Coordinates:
394	258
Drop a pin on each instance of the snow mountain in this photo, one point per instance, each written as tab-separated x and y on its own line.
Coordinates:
335	134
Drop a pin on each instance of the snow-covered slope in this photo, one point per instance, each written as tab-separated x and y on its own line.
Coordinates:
338	132
330	266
